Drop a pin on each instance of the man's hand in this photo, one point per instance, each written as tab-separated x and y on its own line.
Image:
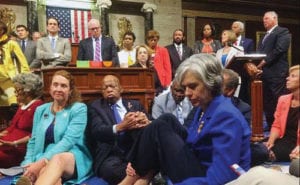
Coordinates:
261	64
133	120
140	121
127	123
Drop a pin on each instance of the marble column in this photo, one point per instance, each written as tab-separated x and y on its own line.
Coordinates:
32	16
103	6
148	10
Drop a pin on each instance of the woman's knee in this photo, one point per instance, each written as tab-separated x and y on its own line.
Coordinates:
63	159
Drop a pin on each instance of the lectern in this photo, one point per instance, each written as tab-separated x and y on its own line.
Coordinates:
247	64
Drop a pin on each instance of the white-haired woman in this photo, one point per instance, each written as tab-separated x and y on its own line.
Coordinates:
29	89
216	137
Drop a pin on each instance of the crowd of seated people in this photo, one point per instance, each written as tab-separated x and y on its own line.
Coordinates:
118	130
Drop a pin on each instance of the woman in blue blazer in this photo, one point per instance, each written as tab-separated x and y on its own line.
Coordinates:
217	138
56	152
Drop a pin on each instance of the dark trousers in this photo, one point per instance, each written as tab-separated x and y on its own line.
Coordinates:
272	89
244	91
113	169
162	147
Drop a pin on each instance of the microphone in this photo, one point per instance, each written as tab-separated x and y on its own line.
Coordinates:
232	45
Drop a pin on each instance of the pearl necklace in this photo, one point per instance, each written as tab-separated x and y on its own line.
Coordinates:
201	123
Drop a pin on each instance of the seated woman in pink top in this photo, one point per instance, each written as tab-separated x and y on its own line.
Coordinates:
13	140
160	58
285	131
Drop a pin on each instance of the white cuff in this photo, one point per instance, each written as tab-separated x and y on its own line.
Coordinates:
114	129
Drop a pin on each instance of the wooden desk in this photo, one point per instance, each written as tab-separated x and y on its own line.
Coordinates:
74	48
247	64
138	83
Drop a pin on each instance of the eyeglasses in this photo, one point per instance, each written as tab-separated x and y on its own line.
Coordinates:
93	29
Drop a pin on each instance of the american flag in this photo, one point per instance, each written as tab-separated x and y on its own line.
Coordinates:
73	22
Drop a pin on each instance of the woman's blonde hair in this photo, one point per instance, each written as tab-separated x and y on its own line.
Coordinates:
293	68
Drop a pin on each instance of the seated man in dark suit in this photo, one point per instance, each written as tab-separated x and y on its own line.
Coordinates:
98	47
230	84
113	123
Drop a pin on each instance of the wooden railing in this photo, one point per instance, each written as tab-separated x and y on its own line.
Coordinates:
138	83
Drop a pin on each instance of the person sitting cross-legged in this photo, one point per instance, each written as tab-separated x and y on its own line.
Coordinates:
203	153
56	152
113	124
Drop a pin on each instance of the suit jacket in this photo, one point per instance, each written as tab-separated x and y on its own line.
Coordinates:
174	57
108	50
164	103
223	141
247	44
243	107
281	114
102	140
30	54
233	52
276	47
45	53
69	137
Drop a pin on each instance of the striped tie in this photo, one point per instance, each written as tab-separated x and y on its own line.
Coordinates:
97	50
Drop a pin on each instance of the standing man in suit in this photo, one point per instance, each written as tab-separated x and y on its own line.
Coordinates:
275	45
28	46
248	45
178	51
88	47
112	125
53	50
174	102
239	28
